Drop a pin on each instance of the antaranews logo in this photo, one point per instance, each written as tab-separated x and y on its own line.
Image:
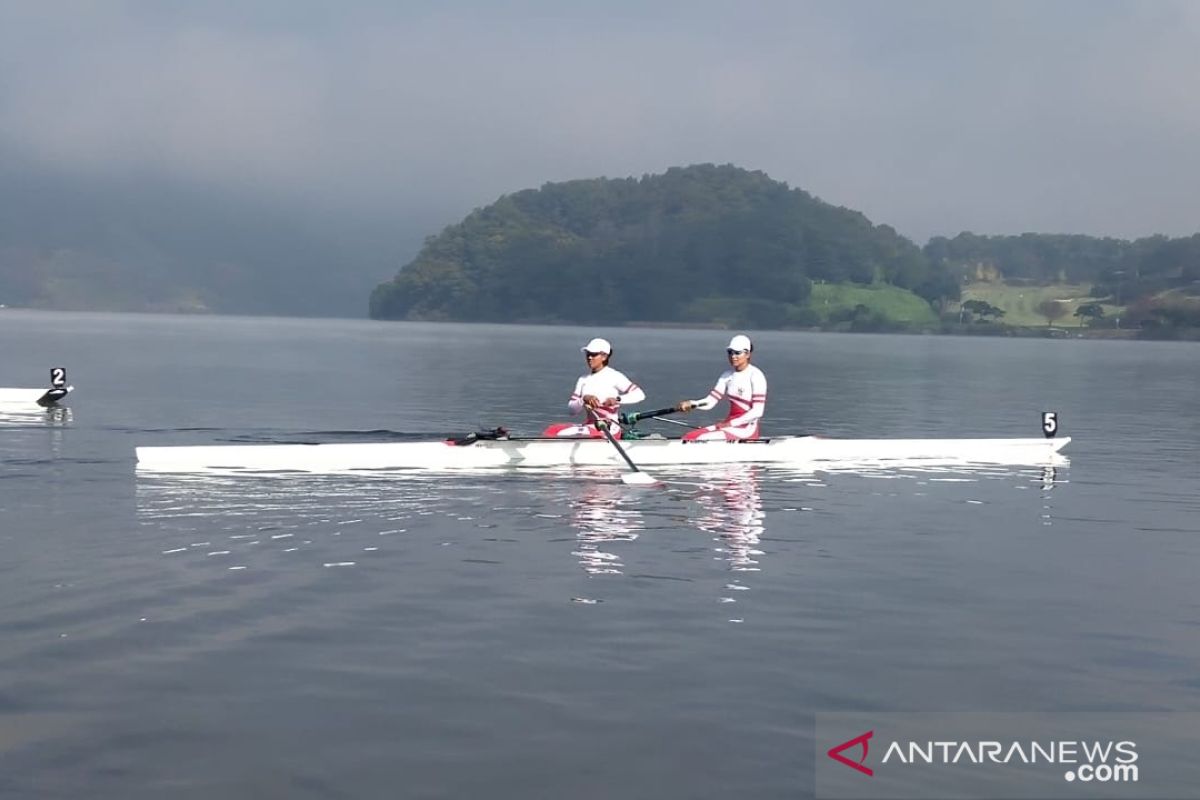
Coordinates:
968	755
863	740
1089	759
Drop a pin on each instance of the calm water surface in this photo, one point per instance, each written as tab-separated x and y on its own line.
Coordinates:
557	634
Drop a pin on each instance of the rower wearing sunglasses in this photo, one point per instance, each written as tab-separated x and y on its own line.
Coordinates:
745	386
599	393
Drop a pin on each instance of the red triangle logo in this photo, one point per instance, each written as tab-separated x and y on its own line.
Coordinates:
836	752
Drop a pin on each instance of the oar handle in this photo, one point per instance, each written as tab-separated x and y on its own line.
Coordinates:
630	419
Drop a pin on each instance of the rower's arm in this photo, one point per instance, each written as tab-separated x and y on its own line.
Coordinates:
714	396
632	394
575	404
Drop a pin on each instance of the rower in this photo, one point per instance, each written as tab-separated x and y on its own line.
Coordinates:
598	393
745	386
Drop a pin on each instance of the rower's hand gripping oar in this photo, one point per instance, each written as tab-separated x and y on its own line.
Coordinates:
634	478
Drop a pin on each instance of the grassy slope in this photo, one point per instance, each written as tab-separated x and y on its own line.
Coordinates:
899	305
1020	302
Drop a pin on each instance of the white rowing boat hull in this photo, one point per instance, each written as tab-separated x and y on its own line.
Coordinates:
800	451
16	396
22	397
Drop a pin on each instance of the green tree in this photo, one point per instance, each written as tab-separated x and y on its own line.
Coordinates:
982	309
1089	311
1052	310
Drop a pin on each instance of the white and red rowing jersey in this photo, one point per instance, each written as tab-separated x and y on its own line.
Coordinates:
605	383
747	395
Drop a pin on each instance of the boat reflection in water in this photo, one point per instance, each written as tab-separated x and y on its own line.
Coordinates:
30	414
1049	479
602	514
247	522
731	512
722	502
31	434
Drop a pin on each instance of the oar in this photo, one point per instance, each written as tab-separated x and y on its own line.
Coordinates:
681	424
640	415
634	478
634	418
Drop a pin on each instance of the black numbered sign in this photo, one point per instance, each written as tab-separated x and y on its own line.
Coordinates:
58	377
1049	424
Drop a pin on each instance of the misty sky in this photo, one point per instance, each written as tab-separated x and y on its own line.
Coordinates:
933	117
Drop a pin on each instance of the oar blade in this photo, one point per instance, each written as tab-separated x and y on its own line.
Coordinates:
635	477
638	479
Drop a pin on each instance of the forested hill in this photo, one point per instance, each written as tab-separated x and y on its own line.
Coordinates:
690	245
1124	269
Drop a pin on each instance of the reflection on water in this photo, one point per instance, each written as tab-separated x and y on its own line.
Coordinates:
1049	480
604	513
33	415
31	434
237	521
707	526
731	512
722	502
1049	474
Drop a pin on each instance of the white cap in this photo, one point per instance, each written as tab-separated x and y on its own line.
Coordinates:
597	346
740	342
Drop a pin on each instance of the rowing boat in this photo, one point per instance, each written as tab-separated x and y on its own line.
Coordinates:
46	398
33	397
542	452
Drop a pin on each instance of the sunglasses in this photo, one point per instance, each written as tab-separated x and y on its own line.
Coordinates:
733	352
594	355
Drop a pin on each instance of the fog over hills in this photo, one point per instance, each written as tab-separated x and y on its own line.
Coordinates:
285	156
143	242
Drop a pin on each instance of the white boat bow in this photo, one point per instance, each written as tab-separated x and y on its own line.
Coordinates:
46	398
797	451
33	397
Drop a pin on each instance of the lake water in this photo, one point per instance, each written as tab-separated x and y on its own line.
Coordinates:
559	635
